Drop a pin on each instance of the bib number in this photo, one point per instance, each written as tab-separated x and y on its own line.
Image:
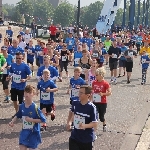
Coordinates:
45	96
77	120
96	98
16	78
74	92
64	58
29	51
114	56
5	71
76	61
143	61
27	125
130	54
95	55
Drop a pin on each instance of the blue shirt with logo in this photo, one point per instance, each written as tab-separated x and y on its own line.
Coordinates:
46	97
143	59
70	43
9	34
29	55
19	72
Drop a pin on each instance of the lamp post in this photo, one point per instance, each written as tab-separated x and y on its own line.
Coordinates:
78	17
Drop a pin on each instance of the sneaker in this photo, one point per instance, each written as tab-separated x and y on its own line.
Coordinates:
104	128
115	81
43	127
7	99
95	137
128	81
142	83
111	81
106	63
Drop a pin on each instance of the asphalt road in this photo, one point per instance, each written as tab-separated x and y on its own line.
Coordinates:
125	107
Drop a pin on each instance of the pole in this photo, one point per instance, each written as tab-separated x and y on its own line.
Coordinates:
124	14
146	18
143	17
131	14
78	17
139	11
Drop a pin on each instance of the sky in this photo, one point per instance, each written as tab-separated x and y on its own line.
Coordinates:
83	2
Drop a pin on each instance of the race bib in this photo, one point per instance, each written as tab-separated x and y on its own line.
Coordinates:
95	54
74	92
114	56
29	51
64	58
76	61
70	42
130	54
122	53
27	125
5	71
17	78
143	61
45	96
96	98
77	120
39	53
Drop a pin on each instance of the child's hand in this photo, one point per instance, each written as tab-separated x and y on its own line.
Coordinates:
11	124
28	119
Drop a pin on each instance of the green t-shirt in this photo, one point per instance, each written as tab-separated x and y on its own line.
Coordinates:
2	61
107	45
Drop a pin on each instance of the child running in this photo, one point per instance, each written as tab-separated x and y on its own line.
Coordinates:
32	116
101	89
47	88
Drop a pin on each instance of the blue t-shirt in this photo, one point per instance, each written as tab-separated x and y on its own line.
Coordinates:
12	50
29	55
77	56
19	72
143	59
70	43
83	114
74	90
59	48
123	49
88	41
9	62
37	50
46	97
9	34
102	57
21	33
30	137
53	72
139	40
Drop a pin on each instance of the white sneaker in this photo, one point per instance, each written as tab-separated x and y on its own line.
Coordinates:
115	81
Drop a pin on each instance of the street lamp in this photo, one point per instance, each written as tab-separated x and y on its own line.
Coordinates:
78	17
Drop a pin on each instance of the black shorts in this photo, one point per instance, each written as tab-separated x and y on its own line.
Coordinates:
71	50
49	107
53	37
101	109
113	65
4	82
75	145
10	41
29	62
129	66
17	95
122	63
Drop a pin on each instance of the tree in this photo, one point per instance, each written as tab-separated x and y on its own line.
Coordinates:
90	14
64	14
42	11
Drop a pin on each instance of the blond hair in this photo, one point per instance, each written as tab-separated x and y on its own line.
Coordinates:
77	69
46	71
101	71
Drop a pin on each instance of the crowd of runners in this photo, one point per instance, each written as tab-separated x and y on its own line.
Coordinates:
88	88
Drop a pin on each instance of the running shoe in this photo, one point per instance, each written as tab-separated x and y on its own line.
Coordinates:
104	128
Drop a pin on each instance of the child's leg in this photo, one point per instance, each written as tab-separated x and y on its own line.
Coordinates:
22	147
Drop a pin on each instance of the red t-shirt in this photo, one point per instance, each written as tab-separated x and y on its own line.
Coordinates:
53	30
98	87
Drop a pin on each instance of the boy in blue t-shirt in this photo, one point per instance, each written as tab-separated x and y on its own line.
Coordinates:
145	60
30	55
47	88
30	136
75	82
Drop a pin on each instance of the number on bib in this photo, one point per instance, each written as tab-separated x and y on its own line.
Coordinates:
5	71
17	78
143	61
77	120
96	98
74	92
45	96
64	58
76	61
27	125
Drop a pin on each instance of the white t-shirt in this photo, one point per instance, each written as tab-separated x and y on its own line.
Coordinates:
27	38
22	45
